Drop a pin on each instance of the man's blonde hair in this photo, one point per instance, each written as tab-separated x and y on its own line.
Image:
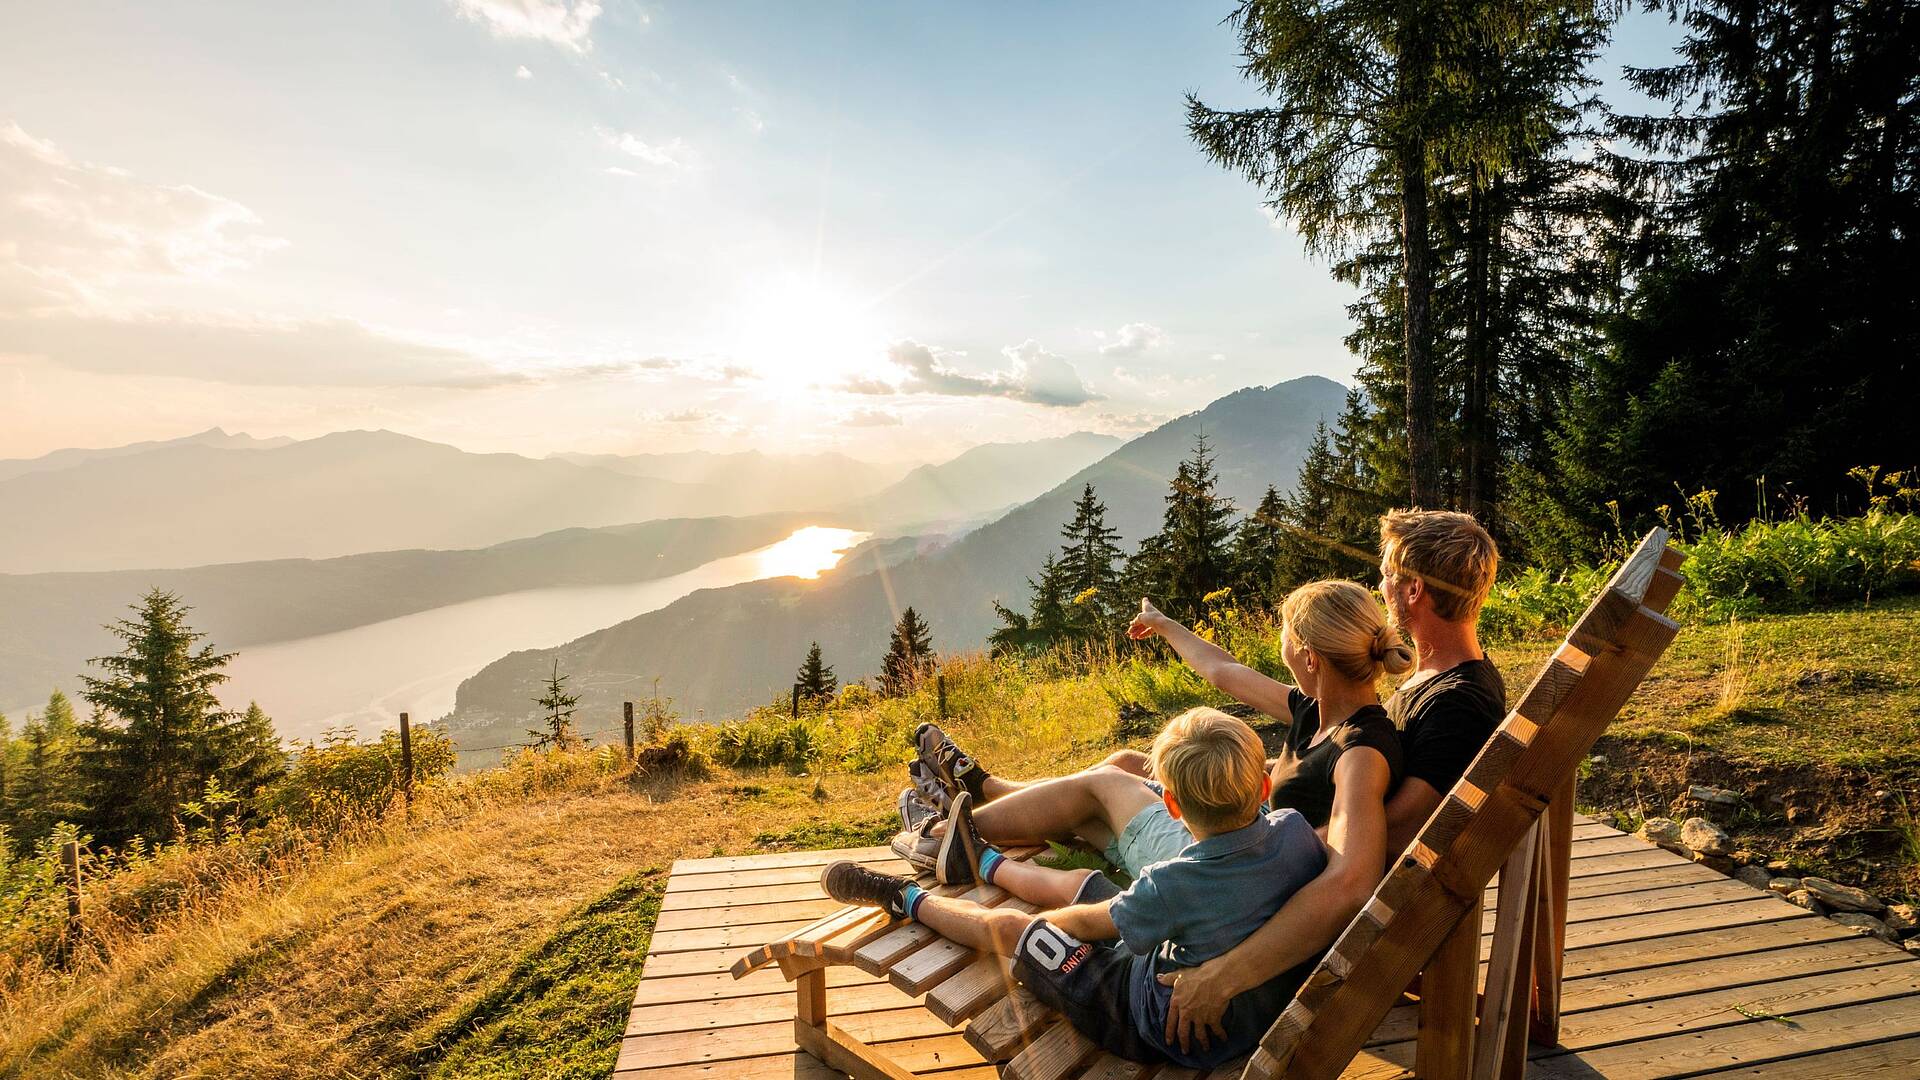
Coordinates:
1449	551
1212	764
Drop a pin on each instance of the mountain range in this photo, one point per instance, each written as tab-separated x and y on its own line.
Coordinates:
723	650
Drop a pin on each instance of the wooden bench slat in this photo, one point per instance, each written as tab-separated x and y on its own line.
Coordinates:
1057	1054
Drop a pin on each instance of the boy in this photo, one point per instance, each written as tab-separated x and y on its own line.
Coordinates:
1097	953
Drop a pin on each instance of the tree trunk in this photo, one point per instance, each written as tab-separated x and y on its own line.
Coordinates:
1423	465
1482	429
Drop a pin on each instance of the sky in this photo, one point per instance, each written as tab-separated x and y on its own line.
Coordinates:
890	229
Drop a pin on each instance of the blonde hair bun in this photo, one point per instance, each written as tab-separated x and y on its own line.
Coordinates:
1391	653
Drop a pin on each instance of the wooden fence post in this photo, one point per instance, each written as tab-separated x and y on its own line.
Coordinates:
940	691
626	707
796	701
406	760
70	937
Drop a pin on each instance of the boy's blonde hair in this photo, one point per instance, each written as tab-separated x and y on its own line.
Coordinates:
1449	551
1343	624
1213	765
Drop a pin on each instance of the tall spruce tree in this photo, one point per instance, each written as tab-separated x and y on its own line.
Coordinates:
59	718
1089	576
1191	556
559	705
252	757
815	678
909	655
1260	549
154	740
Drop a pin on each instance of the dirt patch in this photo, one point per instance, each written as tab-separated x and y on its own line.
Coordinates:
1853	825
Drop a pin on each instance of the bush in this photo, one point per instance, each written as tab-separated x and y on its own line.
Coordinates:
336	783
1804	562
1535	603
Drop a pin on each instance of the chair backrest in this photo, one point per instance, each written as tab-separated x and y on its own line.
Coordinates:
1444	872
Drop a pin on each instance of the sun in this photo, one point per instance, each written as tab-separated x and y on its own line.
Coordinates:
797	331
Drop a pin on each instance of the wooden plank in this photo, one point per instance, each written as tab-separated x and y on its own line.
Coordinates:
1889	1059
791	1065
1056	1054
1750	1044
1681	948
721	986
961	997
746	914
1499	1045
753	1040
758	1009
729	863
720	937
1114	1067
1007	1025
1446	1014
761	877
758	894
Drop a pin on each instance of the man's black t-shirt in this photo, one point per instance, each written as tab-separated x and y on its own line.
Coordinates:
1303	774
1445	720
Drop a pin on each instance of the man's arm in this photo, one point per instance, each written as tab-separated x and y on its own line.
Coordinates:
1412	804
1213	663
1311	918
1088	922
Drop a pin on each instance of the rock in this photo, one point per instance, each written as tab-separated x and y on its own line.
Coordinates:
1901	918
1783	886
1806	900
1754	876
1780	867
1843	897
1713	796
1747	857
1598	761
1912	945
1719	864
1660	830
1704	836
1866	924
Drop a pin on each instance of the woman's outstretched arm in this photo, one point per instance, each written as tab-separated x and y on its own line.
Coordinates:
1212	663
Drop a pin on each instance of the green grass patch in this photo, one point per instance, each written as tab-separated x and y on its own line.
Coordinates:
819	835
559	1012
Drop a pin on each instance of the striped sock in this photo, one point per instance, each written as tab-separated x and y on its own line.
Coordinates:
910	899
990	860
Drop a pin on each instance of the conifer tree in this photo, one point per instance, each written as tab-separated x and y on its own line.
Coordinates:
559	706
815	677
1089	578
154	739
909	655
7	771
1194	555
59	717
251	756
1260	549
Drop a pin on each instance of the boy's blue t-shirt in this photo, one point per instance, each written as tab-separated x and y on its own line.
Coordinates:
1201	903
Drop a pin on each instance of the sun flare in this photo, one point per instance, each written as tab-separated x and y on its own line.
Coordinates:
796	331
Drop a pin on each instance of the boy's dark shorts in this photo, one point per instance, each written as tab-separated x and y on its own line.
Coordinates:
1089	983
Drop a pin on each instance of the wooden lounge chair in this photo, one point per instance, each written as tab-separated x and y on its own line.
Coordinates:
1512	813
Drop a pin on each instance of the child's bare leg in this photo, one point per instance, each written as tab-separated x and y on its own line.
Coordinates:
1042	886
967	923
1132	761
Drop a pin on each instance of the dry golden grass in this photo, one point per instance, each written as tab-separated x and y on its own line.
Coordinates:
342	970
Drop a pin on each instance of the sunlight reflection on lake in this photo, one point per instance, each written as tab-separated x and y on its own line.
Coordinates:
808	552
364	677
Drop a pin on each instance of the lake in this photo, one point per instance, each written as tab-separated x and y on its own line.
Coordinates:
365	677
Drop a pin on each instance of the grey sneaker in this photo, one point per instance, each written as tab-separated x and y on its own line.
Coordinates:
958	860
851	883
914	811
919	847
927	785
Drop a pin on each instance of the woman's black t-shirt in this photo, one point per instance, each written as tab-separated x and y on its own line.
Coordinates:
1303	775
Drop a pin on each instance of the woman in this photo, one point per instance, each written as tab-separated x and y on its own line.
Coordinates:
1335	640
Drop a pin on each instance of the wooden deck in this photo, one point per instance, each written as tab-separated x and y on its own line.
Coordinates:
1671	971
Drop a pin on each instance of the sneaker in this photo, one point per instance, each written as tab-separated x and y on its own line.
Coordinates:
851	883
919	847
927	785
914	811
958	860
955	768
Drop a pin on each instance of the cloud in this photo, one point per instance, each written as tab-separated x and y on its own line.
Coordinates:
753	120
70	230
1134	339
521	72
686	416
1131	421
861	385
870	418
1036	376
566	23
674	154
